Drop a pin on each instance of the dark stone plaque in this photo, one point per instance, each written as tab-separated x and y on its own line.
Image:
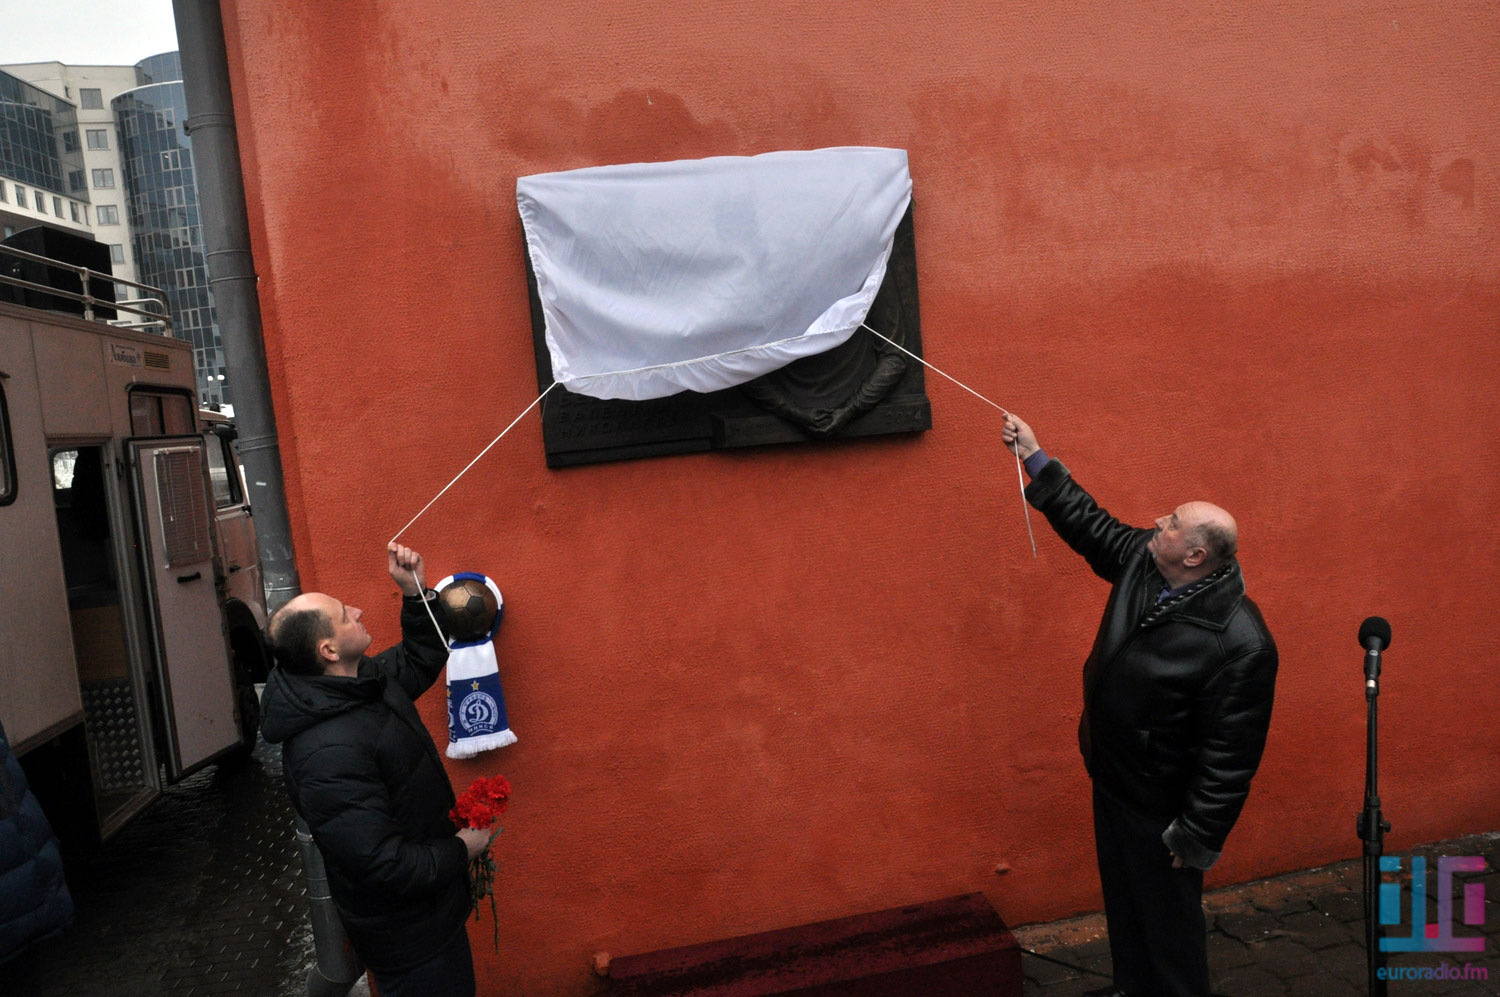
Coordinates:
865	387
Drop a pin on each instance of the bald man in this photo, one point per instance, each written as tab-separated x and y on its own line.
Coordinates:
1176	702
364	774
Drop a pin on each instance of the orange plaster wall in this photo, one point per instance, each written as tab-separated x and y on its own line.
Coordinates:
1236	253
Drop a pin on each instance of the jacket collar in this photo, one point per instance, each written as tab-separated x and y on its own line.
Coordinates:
291	703
1210	606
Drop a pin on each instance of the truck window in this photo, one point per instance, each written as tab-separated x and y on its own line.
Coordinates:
7	456
160	413
222	472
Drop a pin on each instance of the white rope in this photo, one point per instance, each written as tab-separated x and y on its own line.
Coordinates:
1024	507
1021	480
471	463
422	594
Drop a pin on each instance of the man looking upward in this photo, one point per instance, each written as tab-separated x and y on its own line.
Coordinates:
364	774
1176	703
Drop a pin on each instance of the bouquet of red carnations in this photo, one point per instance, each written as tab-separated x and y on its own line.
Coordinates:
479	807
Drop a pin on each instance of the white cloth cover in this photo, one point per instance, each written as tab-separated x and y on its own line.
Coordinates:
698	275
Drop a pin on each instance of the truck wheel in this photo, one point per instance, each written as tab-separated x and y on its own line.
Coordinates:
249	715
248	653
249	704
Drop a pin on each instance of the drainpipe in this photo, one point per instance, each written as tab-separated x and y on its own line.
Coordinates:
226	239
231	269
335	967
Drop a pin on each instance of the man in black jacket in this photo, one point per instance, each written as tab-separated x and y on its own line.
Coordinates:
1176	703
364	774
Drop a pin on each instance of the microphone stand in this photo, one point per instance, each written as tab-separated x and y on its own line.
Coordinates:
1371	829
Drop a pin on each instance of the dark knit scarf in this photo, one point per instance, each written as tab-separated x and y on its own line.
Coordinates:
1166	605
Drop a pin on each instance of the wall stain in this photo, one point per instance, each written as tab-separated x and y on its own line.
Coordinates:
1368	156
1457	178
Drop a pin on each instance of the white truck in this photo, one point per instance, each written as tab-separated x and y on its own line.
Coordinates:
131	607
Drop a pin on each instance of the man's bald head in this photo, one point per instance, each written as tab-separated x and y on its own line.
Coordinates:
296	629
1213	529
1192	541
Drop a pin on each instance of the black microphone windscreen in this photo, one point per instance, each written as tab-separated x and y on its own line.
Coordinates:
1376	627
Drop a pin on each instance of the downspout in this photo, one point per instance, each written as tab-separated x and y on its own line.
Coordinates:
231	268
231	280
335	967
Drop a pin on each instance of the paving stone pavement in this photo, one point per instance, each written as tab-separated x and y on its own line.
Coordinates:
202	894
1297	934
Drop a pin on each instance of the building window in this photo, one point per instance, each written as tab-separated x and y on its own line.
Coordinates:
70	141
41	202
108	214
98	138
160	413
90	100
116	252
104	178
75	181
20	196
3	198
73	207
57	206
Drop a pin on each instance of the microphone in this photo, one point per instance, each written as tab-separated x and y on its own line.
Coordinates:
1374	637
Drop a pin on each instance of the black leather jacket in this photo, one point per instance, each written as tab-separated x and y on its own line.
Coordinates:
1176	703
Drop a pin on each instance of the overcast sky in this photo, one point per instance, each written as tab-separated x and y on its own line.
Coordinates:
85	32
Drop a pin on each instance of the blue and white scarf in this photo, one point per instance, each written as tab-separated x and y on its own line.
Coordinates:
476	706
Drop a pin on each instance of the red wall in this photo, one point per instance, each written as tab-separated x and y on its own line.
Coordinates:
1210	252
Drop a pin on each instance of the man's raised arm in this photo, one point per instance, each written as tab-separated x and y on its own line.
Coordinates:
417	661
1100	538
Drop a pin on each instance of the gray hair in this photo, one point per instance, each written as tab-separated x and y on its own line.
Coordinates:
1218	542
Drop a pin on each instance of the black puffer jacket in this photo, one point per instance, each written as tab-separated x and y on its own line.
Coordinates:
34	899
1176	703
363	772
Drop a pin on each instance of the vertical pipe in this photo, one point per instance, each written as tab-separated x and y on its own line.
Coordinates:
336	968
226	239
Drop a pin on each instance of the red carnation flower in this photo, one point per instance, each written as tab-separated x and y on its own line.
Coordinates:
479	807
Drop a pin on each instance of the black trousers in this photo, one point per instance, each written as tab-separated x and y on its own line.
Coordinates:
449	973
1157	936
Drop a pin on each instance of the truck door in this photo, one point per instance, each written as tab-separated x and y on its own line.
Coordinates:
119	760
195	683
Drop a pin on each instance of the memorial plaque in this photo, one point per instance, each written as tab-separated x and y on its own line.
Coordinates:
865	387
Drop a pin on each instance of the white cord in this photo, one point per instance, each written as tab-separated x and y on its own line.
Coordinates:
472	463
1024	507
422	594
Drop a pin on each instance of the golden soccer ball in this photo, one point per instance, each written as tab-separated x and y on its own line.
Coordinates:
469	608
